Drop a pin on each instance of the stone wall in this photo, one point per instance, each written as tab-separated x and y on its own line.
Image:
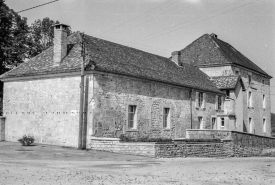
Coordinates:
44	108
233	144
182	149
114	93
114	145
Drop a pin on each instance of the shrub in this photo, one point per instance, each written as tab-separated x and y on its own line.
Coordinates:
26	140
126	138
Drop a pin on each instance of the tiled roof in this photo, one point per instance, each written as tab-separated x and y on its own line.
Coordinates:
110	57
225	82
209	50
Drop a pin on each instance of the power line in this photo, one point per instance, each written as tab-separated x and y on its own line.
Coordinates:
37	6
152	35
136	18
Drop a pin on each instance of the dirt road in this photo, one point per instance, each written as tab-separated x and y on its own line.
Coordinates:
44	164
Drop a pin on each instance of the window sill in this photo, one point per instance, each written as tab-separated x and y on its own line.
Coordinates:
132	130
166	129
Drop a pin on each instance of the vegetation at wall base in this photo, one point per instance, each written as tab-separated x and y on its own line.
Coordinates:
26	140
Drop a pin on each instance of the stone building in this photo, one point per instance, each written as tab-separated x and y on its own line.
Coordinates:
126	91
246	85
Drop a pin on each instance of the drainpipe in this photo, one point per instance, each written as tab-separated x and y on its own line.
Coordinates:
191	107
80	131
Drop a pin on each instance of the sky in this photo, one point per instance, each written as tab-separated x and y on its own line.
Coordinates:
164	26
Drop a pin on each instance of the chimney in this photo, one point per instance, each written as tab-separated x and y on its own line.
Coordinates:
214	35
176	57
60	43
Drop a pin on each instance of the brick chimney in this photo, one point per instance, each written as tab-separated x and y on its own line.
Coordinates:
176	57
60	43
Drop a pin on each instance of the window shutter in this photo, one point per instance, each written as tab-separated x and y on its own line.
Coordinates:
216	102
197	100
222	106
204	100
251	99
248	102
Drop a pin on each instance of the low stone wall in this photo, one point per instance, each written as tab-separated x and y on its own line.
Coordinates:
182	149
116	146
246	144
207	134
239	145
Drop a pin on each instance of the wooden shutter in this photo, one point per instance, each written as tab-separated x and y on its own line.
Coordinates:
203	100
216	102
197	100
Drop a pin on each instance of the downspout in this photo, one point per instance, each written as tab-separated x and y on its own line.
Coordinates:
191	107
80	131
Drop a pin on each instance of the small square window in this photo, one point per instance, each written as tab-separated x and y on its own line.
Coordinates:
132	117
166	118
222	122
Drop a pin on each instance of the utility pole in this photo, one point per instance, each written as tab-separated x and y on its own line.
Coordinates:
80	131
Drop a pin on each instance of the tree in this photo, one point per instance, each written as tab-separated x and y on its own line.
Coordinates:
14	38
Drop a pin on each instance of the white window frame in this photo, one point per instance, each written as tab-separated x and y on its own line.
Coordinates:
214	123
134	127
264	125
250	123
250	99
222	122
200	120
264	101
200	100
168	118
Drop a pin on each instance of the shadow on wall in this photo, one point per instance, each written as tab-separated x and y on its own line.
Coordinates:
273	124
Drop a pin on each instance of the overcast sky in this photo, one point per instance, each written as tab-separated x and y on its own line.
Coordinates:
163	26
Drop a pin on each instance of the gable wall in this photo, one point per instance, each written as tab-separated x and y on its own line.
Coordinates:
45	108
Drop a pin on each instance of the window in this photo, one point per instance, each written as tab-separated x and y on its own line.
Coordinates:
264	125
214	123
237	71
227	93
250	125
219	103
249	99
200	99
166	118
264	101
200	122
222	122
132	117
263	81
249	79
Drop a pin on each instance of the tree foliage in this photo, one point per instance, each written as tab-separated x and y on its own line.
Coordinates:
18	41
14	38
